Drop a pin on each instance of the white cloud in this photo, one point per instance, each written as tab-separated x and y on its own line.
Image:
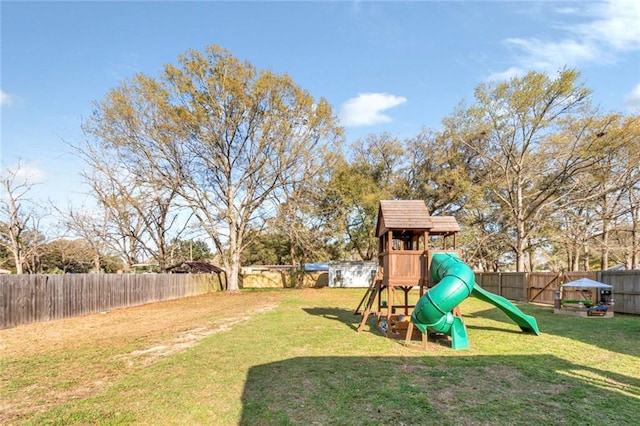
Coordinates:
5	99
551	56
367	109
24	173
632	100
507	74
616	24
608	28
566	10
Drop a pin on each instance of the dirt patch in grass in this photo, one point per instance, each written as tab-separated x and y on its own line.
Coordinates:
189	338
156	319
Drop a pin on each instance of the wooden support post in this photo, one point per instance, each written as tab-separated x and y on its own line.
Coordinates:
409	336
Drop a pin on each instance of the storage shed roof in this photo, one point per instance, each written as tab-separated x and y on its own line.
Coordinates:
195	268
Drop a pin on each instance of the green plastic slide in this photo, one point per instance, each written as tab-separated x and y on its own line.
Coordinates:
455	282
527	323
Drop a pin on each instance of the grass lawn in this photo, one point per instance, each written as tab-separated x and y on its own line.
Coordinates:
290	357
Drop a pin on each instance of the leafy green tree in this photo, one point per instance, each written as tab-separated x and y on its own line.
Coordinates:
180	250
485	238
111	264
67	256
5	257
267	248
443	171
355	188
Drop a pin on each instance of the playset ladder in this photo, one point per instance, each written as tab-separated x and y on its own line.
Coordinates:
370	296
367	296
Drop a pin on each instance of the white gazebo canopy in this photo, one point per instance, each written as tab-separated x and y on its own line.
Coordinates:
586	283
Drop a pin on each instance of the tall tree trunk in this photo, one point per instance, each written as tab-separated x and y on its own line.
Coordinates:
604	263
521	244
635	235
234	271
570	259
235	250
531	255
586	266
575	265
19	260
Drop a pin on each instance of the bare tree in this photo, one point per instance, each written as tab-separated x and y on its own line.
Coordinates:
598	207
19	220
92	226
142	208
298	217
227	136
629	157
634	215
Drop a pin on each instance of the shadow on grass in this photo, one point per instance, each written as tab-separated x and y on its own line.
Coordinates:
342	315
535	389
618	334
352	320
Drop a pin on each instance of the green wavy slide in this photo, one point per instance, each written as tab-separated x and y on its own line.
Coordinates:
455	281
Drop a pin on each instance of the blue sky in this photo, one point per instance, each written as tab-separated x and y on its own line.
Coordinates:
384	66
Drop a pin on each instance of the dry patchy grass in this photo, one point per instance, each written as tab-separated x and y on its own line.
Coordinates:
53	363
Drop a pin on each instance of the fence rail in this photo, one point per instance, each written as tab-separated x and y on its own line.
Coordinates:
32	298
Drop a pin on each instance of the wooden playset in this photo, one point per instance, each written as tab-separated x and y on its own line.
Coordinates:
409	260
408	237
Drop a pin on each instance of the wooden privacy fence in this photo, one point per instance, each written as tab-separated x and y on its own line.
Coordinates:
626	289
32	298
540	287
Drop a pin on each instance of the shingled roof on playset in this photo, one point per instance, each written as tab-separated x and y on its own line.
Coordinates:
412	215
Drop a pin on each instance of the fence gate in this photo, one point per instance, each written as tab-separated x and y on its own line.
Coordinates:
542	286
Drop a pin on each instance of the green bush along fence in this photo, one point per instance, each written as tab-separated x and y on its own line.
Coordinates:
32	298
